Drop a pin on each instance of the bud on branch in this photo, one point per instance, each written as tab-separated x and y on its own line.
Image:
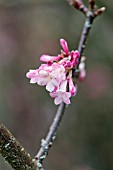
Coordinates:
100	11
92	3
78	4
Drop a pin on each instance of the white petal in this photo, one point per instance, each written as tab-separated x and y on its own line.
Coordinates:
81	65
33	80
50	87
43	73
55	82
41	82
63	86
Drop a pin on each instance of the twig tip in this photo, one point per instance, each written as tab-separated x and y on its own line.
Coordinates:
100	11
103	9
92	3
78	4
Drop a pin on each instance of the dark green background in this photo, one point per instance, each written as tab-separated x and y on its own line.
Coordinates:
30	28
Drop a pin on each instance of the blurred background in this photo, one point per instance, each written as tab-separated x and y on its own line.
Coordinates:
30	28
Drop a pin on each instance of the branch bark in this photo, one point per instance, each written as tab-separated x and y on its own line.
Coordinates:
13	152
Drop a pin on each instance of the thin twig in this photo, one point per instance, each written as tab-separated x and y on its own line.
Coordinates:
47	143
90	16
13	152
86	30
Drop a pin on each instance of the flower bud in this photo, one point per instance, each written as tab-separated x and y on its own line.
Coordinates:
100	11
92	3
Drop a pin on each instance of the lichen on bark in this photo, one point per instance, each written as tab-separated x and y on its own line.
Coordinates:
13	152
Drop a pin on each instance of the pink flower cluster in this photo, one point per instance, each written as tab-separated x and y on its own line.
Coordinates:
56	74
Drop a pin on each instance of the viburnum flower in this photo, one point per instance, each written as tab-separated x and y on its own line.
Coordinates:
56	74
60	94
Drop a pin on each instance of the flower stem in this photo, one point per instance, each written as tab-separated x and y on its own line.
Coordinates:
47	143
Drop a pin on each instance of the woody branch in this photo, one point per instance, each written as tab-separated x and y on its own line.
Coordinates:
13	152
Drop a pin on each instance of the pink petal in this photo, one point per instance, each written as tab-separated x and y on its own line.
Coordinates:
66	100
76	54
82	75
32	73
53	94
58	100
66	97
72	88
64	46
47	58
